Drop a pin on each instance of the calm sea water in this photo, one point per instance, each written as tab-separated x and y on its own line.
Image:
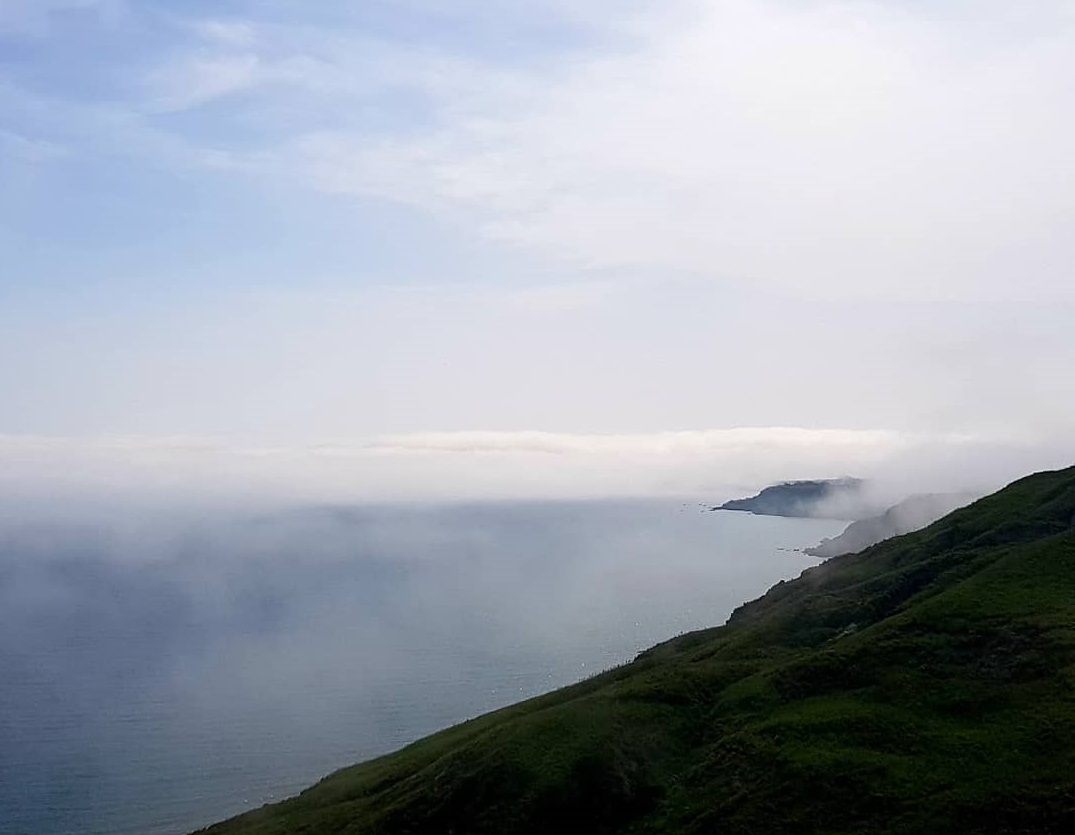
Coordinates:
158	673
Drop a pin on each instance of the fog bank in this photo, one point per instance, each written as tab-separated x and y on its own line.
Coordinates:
712	465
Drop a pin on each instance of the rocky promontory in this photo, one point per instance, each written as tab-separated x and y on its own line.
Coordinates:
836	498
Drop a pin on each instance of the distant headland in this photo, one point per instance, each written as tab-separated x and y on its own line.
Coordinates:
850	499
834	498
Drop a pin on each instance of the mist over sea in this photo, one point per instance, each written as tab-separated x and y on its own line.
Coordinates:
159	671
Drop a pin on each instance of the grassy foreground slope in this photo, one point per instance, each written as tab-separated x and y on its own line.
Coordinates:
926	684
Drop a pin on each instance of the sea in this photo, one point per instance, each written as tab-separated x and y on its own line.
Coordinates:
163	670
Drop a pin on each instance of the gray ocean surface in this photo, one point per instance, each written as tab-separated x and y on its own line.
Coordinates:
160	672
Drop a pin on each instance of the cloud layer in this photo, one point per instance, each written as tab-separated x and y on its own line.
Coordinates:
850	149
710	465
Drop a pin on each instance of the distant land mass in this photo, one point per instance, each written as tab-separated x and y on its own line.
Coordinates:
925	684
912	514
834	498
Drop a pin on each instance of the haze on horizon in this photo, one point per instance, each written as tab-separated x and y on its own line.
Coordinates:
398	249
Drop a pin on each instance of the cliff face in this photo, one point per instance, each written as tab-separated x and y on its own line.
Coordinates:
841	498
926	684
912	514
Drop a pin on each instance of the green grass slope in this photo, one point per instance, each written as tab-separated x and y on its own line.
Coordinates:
926	684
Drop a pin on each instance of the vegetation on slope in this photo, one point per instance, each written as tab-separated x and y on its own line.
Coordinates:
922	685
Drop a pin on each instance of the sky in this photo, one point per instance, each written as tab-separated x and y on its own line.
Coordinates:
407	248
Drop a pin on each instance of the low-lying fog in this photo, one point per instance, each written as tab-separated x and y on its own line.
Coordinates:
161	670
167	660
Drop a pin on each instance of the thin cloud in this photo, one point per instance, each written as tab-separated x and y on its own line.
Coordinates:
712	464
658	443
29	150
200	79
231	33
846	149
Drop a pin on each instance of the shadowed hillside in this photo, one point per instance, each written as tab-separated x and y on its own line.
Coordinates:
922	685
912	514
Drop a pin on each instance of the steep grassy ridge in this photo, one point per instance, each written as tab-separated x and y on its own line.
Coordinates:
923	685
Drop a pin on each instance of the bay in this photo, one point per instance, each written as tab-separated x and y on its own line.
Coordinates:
161	671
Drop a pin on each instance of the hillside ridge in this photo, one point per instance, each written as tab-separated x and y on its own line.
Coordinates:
911	514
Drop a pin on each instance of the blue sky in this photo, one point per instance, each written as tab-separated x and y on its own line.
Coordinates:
290	224
111	110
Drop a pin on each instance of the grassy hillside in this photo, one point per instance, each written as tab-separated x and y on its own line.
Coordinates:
926	684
